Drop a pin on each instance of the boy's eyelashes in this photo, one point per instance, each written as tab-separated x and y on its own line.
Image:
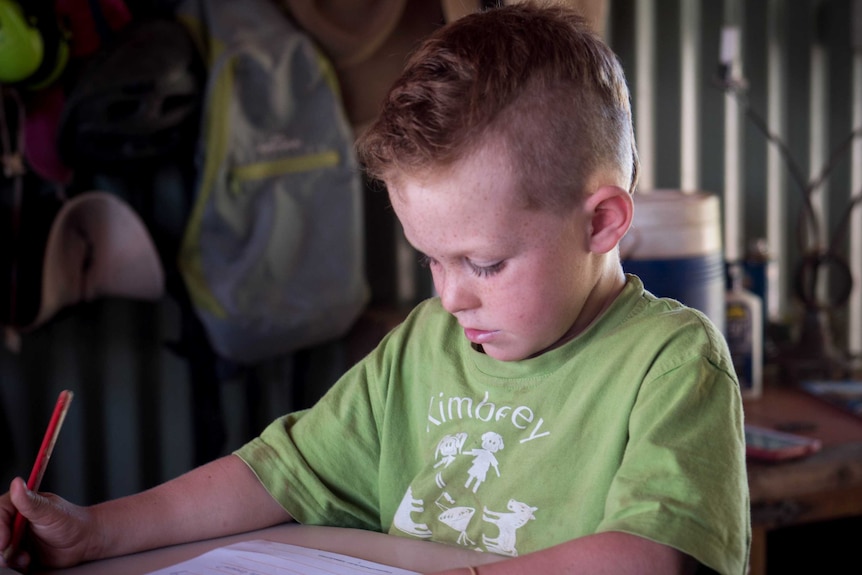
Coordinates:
479	270
486	271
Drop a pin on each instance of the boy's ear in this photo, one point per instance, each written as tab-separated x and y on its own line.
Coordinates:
610	209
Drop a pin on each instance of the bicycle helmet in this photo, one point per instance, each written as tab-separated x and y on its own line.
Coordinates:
34	47
21	46
137	100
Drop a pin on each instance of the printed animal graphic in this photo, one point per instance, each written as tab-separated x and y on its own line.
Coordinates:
508	524
403	520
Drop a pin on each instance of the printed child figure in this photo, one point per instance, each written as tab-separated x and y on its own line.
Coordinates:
484	459
449	447
507	152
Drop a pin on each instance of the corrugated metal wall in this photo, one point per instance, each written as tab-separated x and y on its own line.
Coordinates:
131	423
801	66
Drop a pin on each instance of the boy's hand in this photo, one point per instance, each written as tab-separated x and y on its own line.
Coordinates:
57	531
7	517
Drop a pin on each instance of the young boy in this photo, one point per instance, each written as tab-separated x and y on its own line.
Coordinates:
544	407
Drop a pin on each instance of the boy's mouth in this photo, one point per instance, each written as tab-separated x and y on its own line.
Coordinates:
479	336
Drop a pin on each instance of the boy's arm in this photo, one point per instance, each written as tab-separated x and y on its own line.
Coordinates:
610	552
218	498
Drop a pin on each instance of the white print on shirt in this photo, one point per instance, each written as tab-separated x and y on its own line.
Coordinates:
441	410
507	523
483	459
403	520
456	477
449	447
458	518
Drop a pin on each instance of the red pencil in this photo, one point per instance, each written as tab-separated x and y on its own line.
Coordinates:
41	463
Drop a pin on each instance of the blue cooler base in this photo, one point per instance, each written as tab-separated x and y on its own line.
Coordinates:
697	282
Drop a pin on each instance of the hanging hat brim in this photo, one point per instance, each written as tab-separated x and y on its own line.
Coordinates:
98	247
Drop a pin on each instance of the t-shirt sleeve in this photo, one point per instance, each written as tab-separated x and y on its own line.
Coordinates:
321	464
683	479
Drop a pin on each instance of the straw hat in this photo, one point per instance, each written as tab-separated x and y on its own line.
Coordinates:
595	11
368	42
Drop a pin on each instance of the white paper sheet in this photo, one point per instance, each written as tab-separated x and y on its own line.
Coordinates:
261	557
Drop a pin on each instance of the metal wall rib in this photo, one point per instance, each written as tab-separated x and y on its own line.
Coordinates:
800	62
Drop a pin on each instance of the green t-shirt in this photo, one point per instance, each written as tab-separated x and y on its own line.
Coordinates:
635	426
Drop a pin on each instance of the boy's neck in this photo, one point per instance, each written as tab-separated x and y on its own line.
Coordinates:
605	293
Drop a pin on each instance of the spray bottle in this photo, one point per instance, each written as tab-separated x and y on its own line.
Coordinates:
744	333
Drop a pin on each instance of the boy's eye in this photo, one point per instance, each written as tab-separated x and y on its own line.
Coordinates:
484	271
479	270
425	261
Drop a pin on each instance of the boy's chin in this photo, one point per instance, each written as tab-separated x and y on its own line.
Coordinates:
504	354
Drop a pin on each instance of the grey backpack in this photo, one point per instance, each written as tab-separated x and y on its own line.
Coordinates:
272	253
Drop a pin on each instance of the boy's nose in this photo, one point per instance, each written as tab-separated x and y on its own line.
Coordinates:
455	293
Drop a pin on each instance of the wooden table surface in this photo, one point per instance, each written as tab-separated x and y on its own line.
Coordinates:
413	554
822	486
839	463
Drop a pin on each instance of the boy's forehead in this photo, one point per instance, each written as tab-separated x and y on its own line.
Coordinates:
453	195
471	211
486	171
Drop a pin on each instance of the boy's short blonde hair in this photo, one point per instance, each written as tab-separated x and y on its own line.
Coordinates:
533	81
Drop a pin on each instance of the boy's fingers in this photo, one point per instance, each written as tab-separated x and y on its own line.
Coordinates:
23	501
21	496
17	485
19	562
30	504
7	514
